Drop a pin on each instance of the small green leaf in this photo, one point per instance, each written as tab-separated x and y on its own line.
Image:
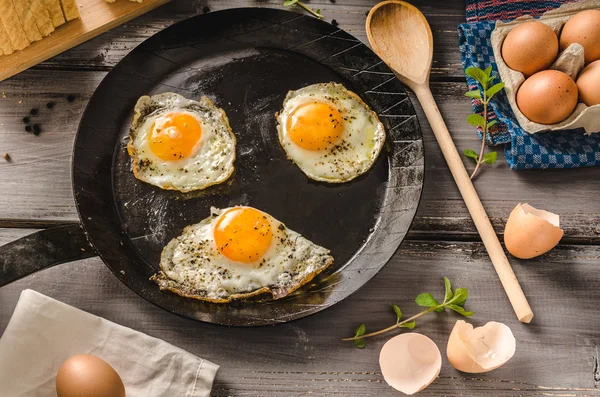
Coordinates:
448	287
488	71
360	330
478	75
475	94
460	310
319	13
472	154
476	120
492	123
360	343
289	2
398	312
490	158
409	325
493	90
460	296
426	299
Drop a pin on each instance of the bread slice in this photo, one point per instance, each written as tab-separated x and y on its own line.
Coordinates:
5	44
42	18
12	24
55	11
70	9
26	17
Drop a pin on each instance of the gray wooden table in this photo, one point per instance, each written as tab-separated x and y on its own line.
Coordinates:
557	355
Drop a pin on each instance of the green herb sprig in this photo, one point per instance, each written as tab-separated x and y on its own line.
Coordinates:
484	94
316	13
453	300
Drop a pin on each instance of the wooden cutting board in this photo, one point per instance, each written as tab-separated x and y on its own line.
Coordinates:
97	16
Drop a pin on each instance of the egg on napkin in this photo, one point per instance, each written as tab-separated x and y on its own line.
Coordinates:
239	253
547	97
530	232
180	144
588	83
530	47
583	28
410	362
329	132
481	349
89	376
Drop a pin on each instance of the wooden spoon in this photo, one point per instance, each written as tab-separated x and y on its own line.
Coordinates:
400	35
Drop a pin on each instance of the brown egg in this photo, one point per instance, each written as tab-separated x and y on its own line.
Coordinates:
530	232
547	97
89	376
588	84
530	47
583	28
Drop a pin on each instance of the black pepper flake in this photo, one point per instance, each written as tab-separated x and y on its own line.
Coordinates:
205	10
50	105
28	128
334	22
71	98
34	112
36	129
26	120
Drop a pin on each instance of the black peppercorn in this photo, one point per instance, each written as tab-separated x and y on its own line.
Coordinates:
50	105
28	128
34	112
26	120
36	129
70	98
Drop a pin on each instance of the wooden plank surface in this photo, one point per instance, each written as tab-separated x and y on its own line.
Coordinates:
557	355
105	51
96	17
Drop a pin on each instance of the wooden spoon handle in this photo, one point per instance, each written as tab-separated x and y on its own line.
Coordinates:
467	190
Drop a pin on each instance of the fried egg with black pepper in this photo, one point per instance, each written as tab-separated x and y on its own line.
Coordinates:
238	253
329	132
180	144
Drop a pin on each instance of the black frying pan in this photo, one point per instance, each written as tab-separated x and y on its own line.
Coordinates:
246	60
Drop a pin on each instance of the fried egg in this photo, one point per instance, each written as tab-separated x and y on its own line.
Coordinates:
180	144
329	132
238	253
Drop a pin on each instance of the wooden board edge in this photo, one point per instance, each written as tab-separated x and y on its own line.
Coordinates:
39	52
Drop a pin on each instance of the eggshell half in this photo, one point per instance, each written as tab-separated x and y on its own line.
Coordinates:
530	232
410	362
481	349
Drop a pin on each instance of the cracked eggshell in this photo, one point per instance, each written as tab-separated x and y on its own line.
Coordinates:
481	349
530	232
410	362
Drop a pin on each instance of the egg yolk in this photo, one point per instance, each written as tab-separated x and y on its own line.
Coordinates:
315	126
174	136
243	234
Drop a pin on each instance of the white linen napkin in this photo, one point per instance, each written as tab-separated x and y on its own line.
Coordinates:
44	332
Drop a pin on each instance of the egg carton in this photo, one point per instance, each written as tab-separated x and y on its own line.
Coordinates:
569	61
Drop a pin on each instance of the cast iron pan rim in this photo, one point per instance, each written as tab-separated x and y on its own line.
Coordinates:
180	314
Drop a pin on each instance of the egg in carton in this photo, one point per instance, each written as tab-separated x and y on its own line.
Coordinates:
570	61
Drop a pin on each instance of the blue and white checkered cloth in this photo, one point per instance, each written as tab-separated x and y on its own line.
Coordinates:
556	149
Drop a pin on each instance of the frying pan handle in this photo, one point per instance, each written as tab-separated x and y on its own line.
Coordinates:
43	249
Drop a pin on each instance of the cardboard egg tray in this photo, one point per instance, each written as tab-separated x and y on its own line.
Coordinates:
569	61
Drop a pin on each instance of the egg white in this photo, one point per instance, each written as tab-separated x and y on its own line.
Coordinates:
211	161
360	144
192	265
